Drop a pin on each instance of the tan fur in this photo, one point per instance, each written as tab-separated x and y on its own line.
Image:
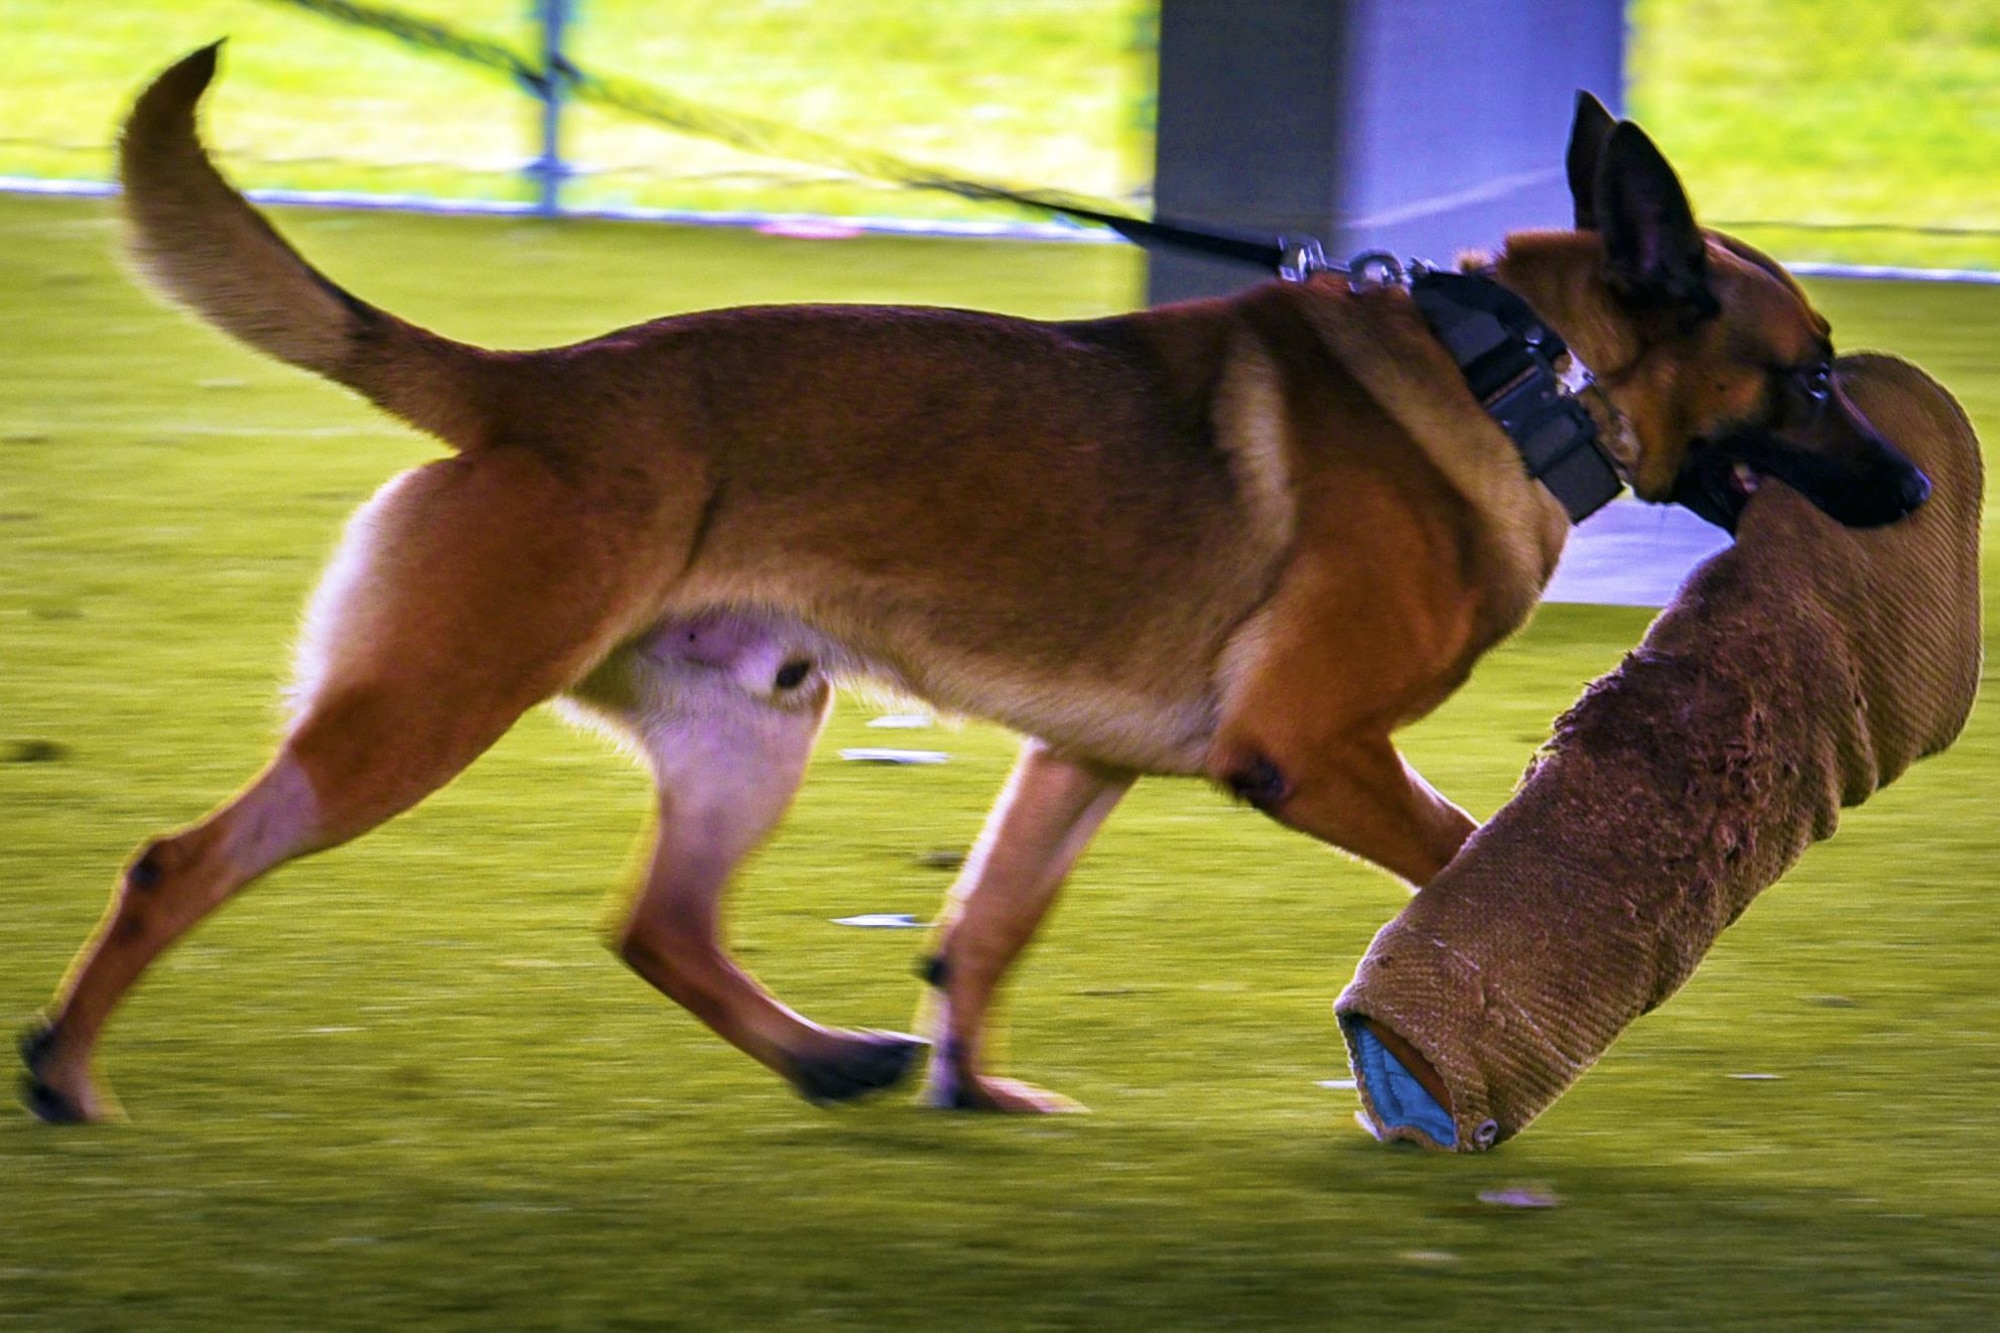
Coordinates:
1671	385
1246	538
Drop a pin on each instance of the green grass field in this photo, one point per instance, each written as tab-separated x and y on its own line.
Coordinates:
1782	110
403	1085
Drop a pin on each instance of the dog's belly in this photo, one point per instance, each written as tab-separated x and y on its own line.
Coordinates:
1107	719
768	658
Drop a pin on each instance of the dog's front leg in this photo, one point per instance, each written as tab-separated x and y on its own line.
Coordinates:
1357	793
1045	817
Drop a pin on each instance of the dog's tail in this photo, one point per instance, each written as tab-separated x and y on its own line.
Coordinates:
207	248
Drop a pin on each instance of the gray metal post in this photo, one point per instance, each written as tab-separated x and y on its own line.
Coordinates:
549	169
1418	126
1250	132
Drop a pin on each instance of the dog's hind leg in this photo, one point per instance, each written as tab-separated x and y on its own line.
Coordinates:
435	639
726	715
1045	817
169	885
352	763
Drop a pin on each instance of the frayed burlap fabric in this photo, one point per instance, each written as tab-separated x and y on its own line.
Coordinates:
1795	673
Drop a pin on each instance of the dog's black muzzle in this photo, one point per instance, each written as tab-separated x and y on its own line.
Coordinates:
1838	462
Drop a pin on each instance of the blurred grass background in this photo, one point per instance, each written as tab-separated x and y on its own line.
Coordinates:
403	1085
1791	111
1055	92
1802	111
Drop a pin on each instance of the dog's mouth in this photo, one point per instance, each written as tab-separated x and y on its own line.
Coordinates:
1716	487
1720	477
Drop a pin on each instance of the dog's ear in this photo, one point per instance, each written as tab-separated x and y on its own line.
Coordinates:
1654	252
1587	135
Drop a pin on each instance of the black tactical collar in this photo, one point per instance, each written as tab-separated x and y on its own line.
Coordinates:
1508	356
1507	353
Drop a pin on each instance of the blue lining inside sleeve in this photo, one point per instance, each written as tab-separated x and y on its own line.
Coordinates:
1398	1099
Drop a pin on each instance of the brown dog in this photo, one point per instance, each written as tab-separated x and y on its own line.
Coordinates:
1245	539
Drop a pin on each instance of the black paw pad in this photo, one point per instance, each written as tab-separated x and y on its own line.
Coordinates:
946	1091
145	871
47	1105
961	1098
43	1101
37	1039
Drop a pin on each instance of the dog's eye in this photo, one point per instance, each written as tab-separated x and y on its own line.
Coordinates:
1804	392
1816	383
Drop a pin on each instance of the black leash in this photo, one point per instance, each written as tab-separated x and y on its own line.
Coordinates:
1293	259
755	134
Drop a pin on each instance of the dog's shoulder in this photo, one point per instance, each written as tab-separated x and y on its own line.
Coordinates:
1374	344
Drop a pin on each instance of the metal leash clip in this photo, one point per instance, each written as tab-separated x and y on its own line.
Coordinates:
1300	257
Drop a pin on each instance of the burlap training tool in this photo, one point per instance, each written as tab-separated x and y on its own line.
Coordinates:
1795	673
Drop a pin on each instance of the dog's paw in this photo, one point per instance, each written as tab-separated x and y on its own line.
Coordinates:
986	1093
864	1062
43	1099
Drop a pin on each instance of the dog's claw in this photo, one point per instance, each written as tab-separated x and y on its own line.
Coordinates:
36	1038
867	1062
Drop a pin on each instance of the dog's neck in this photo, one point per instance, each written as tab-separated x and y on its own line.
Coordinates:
1561	274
